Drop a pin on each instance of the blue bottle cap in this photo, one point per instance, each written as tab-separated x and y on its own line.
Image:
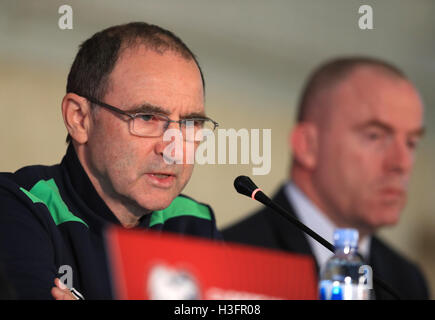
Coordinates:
346	237
336	292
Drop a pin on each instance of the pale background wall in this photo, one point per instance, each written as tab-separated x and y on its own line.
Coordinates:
255	55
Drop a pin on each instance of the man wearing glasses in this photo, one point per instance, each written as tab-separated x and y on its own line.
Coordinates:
127	86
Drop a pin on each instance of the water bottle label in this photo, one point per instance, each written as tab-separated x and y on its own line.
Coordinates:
335	290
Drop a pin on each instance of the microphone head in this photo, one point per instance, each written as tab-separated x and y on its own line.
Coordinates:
244	185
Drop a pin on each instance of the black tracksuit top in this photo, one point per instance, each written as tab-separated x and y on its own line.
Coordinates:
52	216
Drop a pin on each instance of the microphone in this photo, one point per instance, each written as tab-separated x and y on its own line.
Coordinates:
247	187
244	185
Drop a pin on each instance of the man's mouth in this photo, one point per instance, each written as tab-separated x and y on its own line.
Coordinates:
393	191
161	179
161	175
391	194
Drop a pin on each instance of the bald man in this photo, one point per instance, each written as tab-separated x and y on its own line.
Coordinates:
353	149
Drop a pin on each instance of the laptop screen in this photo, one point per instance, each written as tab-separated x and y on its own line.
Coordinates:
160	266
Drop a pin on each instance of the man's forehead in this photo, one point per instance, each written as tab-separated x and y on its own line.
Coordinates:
140	61
143	78
384	98
145	56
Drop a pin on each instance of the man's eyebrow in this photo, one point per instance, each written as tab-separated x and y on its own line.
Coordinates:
375	123
419	132
193	115
148	108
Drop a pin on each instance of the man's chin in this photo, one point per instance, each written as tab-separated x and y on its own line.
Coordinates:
385	219
156	203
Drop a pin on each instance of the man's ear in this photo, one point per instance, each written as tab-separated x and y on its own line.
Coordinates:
76	114
303	141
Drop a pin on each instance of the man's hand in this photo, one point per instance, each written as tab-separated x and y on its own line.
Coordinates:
61	291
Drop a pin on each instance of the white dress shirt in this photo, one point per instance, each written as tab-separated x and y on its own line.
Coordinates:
313	218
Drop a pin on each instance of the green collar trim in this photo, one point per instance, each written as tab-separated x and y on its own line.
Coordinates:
47	192
180	206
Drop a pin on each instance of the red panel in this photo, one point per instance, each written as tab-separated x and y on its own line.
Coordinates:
168	266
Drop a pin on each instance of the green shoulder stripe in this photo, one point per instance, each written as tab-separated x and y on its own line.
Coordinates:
180	206
47	192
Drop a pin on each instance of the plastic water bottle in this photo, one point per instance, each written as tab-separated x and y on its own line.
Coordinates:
343	276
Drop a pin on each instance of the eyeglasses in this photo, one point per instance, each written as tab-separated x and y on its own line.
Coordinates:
155	125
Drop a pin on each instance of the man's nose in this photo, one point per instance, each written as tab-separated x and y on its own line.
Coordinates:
400	157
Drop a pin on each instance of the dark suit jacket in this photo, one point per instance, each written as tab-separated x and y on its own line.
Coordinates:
268	229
